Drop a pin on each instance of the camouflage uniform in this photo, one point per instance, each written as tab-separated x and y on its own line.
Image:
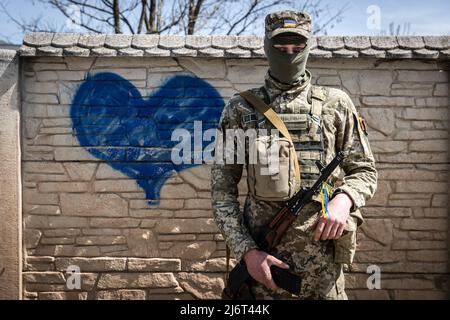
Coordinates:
319	263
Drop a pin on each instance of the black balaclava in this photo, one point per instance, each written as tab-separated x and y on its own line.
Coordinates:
286	68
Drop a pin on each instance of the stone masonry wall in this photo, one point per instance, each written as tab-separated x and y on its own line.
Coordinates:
79	210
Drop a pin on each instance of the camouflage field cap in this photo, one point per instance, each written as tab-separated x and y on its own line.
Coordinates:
288	21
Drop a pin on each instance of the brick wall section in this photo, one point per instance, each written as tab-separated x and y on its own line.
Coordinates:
78	210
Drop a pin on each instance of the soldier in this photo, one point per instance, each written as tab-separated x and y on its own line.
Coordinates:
315	247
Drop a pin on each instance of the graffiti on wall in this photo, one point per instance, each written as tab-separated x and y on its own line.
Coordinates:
132	133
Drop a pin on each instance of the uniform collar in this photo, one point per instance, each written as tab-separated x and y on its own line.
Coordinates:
275	88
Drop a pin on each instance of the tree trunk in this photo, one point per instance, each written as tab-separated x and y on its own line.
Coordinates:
143	16
194	10
152	15
116	15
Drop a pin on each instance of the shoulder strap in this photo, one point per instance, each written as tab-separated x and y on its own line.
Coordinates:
273	118
318	95
267	112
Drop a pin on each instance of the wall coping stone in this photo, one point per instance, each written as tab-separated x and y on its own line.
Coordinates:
70	44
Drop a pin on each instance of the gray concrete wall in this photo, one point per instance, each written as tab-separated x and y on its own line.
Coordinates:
10	188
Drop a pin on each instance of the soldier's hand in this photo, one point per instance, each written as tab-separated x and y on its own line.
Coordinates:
258	266
333	226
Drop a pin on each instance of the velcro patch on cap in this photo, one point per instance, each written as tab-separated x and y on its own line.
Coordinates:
289	23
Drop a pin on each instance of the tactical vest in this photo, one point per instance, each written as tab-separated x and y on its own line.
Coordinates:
305	127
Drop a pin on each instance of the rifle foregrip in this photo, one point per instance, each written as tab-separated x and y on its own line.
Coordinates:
279	217
273	238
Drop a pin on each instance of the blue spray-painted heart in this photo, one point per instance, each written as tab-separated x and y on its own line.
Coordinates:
132	134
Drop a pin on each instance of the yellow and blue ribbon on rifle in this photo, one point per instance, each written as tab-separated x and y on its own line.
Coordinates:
325	193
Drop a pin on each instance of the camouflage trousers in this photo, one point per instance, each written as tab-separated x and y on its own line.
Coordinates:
313	261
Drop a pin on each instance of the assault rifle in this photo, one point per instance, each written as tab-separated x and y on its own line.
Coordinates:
271	234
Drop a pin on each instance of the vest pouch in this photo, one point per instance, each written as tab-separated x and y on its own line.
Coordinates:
273	176
295	121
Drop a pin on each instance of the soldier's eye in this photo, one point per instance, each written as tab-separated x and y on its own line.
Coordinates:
300	47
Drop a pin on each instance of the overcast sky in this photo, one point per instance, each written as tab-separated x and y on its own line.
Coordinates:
429	19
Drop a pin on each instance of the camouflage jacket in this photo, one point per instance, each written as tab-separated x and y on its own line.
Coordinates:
341	131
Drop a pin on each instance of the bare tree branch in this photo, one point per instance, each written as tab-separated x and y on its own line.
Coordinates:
246	14
333	17
178	16
63	10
